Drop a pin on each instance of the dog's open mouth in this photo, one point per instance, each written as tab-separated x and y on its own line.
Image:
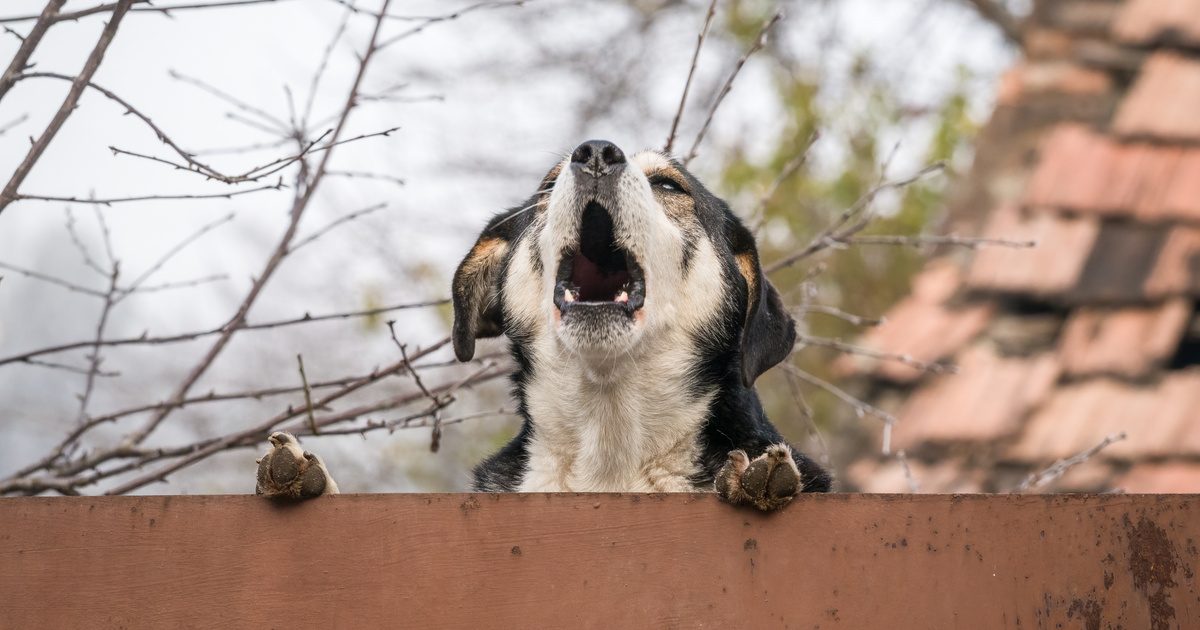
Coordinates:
597	271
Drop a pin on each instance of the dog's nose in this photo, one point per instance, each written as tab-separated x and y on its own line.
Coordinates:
598	156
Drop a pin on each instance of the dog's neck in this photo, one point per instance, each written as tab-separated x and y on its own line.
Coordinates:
614	423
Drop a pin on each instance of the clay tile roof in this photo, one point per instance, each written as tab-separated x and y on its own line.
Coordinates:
1127	342
1054	266
984	400
890	478
1158	420
920	326
1085	171
1177	477
1145	22
1050	77
1164	100
1177	268
1094	152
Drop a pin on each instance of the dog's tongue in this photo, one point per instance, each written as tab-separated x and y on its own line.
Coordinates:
594	285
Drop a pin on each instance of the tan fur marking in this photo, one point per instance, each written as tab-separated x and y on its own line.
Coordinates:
483	251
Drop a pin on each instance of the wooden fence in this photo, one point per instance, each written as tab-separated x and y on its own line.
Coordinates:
601	561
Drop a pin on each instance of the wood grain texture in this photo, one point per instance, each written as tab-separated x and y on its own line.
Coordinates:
600	561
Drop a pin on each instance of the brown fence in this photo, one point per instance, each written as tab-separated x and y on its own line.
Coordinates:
603	561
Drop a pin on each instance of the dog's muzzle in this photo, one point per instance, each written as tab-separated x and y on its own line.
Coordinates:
597	275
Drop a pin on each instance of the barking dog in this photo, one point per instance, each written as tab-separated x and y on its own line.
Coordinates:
639	318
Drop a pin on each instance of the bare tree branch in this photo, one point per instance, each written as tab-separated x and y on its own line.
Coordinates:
687	84
1060	467
9	194
29	43
759	42
145	339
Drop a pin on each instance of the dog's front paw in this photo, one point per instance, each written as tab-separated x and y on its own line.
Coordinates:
288	472
768	482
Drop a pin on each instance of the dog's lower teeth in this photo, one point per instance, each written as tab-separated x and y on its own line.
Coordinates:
568	296
622	297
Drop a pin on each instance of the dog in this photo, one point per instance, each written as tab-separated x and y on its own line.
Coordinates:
639	318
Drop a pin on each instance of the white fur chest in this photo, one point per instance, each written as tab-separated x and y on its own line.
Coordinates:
636	432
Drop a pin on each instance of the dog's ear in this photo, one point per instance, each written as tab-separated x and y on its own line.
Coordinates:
768	332
476	287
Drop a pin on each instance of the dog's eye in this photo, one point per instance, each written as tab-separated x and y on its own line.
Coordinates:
663	182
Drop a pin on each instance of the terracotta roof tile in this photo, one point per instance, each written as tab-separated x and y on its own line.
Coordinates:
888	477
1159	420
1125	341
1159	21
1053	267
1164	100
1177	268
1084	171
985	400
920	326
1122	261
1050	77
1176	477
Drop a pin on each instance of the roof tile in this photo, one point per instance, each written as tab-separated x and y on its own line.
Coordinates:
920	326
1126	342
1050	77
888	477
1147	22
984	400
1158	420
1164	100
1084	171
1175	477
1053	267
1177	268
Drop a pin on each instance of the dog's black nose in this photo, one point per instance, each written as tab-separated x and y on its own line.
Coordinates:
599	156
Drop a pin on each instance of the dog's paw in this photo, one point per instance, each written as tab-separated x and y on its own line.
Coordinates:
768	482
288	472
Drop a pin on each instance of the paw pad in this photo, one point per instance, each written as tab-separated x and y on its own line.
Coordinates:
767	482
288	472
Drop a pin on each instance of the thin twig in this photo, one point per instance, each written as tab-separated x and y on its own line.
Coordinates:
335	223
145	339
913	486
759	42
849	348
1060	467
924	240
849	222
687	84
112	200
29	43
166	10
13	123
9	194
66	284
861	408
308	404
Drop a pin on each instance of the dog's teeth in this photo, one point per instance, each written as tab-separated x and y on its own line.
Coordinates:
622	297
568	296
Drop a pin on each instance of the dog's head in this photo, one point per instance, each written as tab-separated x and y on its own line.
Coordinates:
614	255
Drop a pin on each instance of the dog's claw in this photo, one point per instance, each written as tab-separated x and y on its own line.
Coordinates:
768	482
287	472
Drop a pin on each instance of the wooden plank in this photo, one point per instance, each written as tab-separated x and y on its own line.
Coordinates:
600	561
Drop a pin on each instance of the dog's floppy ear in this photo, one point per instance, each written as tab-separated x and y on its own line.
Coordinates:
769	332
475	291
